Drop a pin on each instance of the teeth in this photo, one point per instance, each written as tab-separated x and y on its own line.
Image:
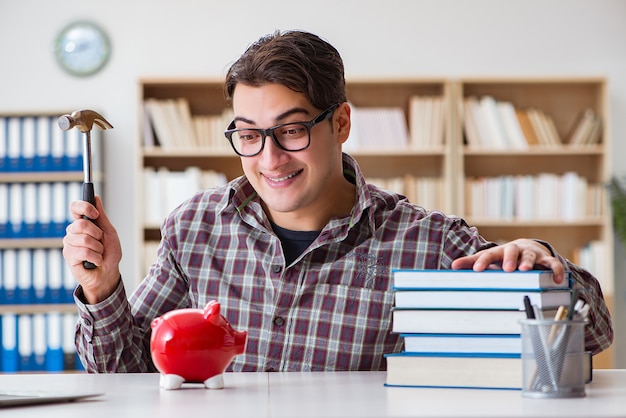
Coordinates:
283	178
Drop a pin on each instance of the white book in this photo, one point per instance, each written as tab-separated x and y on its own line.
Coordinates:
511	126
493	123
463	343
469	279
480	299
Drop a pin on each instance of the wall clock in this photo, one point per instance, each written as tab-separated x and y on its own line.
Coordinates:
82	48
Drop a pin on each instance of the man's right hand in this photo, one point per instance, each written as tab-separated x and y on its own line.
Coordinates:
94	240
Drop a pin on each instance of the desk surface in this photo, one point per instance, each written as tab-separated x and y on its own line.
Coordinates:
340	394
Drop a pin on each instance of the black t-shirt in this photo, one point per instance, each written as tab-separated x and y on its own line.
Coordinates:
294	242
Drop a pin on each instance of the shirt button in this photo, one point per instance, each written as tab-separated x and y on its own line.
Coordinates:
87	322
276	268
279	321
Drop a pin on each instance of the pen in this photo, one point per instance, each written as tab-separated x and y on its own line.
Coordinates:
530	312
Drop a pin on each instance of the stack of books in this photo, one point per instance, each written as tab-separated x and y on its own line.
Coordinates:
461	328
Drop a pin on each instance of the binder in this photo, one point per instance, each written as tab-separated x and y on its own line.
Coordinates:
9	276
55	276
40	342
44	210
54	351
40	275
43	159
25	342
4	210
73	150
67	344
24	276
1	279
29	191
10	361
16	210
69	284
3	144
59	208
57	149
14	144
29	143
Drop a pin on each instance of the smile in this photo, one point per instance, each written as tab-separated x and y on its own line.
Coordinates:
287	177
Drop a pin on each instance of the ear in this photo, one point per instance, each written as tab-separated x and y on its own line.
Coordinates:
342	122
211	310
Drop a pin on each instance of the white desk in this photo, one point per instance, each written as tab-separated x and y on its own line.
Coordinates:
296	395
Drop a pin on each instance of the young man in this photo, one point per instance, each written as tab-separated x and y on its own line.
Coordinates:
298	251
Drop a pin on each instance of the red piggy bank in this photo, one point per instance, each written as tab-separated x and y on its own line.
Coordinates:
194	345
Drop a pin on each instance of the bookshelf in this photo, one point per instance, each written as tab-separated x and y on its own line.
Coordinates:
380	162
451	161
40	173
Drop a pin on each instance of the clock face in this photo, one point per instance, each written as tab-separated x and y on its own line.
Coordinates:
82	48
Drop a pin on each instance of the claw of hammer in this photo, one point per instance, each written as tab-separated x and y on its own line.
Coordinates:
83	120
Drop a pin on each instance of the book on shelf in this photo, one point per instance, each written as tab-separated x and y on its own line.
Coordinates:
469	279
586	129
455	370
377	128
479	299
462	343
426	121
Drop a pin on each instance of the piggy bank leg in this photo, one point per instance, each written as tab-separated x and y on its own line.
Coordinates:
215	382
171	381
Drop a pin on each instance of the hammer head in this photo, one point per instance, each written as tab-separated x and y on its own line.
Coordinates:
83	120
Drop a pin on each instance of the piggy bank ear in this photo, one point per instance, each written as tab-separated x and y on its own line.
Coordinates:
212	308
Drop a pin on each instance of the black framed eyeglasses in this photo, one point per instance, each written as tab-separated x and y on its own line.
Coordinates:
294	136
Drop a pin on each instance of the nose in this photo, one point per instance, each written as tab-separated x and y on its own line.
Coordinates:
271	155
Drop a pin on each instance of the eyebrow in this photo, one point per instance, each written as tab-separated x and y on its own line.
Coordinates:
278	118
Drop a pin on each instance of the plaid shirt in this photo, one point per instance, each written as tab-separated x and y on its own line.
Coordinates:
329	310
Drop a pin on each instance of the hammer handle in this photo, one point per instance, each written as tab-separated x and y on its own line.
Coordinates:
89	196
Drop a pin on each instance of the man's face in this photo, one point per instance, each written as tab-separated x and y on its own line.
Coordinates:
292	185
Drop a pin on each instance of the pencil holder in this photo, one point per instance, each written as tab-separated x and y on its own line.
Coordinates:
553	358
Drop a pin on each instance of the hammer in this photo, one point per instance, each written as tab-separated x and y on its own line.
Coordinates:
84	121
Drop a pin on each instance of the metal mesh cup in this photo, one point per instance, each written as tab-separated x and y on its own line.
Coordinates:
553	358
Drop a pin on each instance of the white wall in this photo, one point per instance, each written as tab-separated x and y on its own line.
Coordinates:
187	38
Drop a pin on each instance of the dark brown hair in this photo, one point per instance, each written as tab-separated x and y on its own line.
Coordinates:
299	60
